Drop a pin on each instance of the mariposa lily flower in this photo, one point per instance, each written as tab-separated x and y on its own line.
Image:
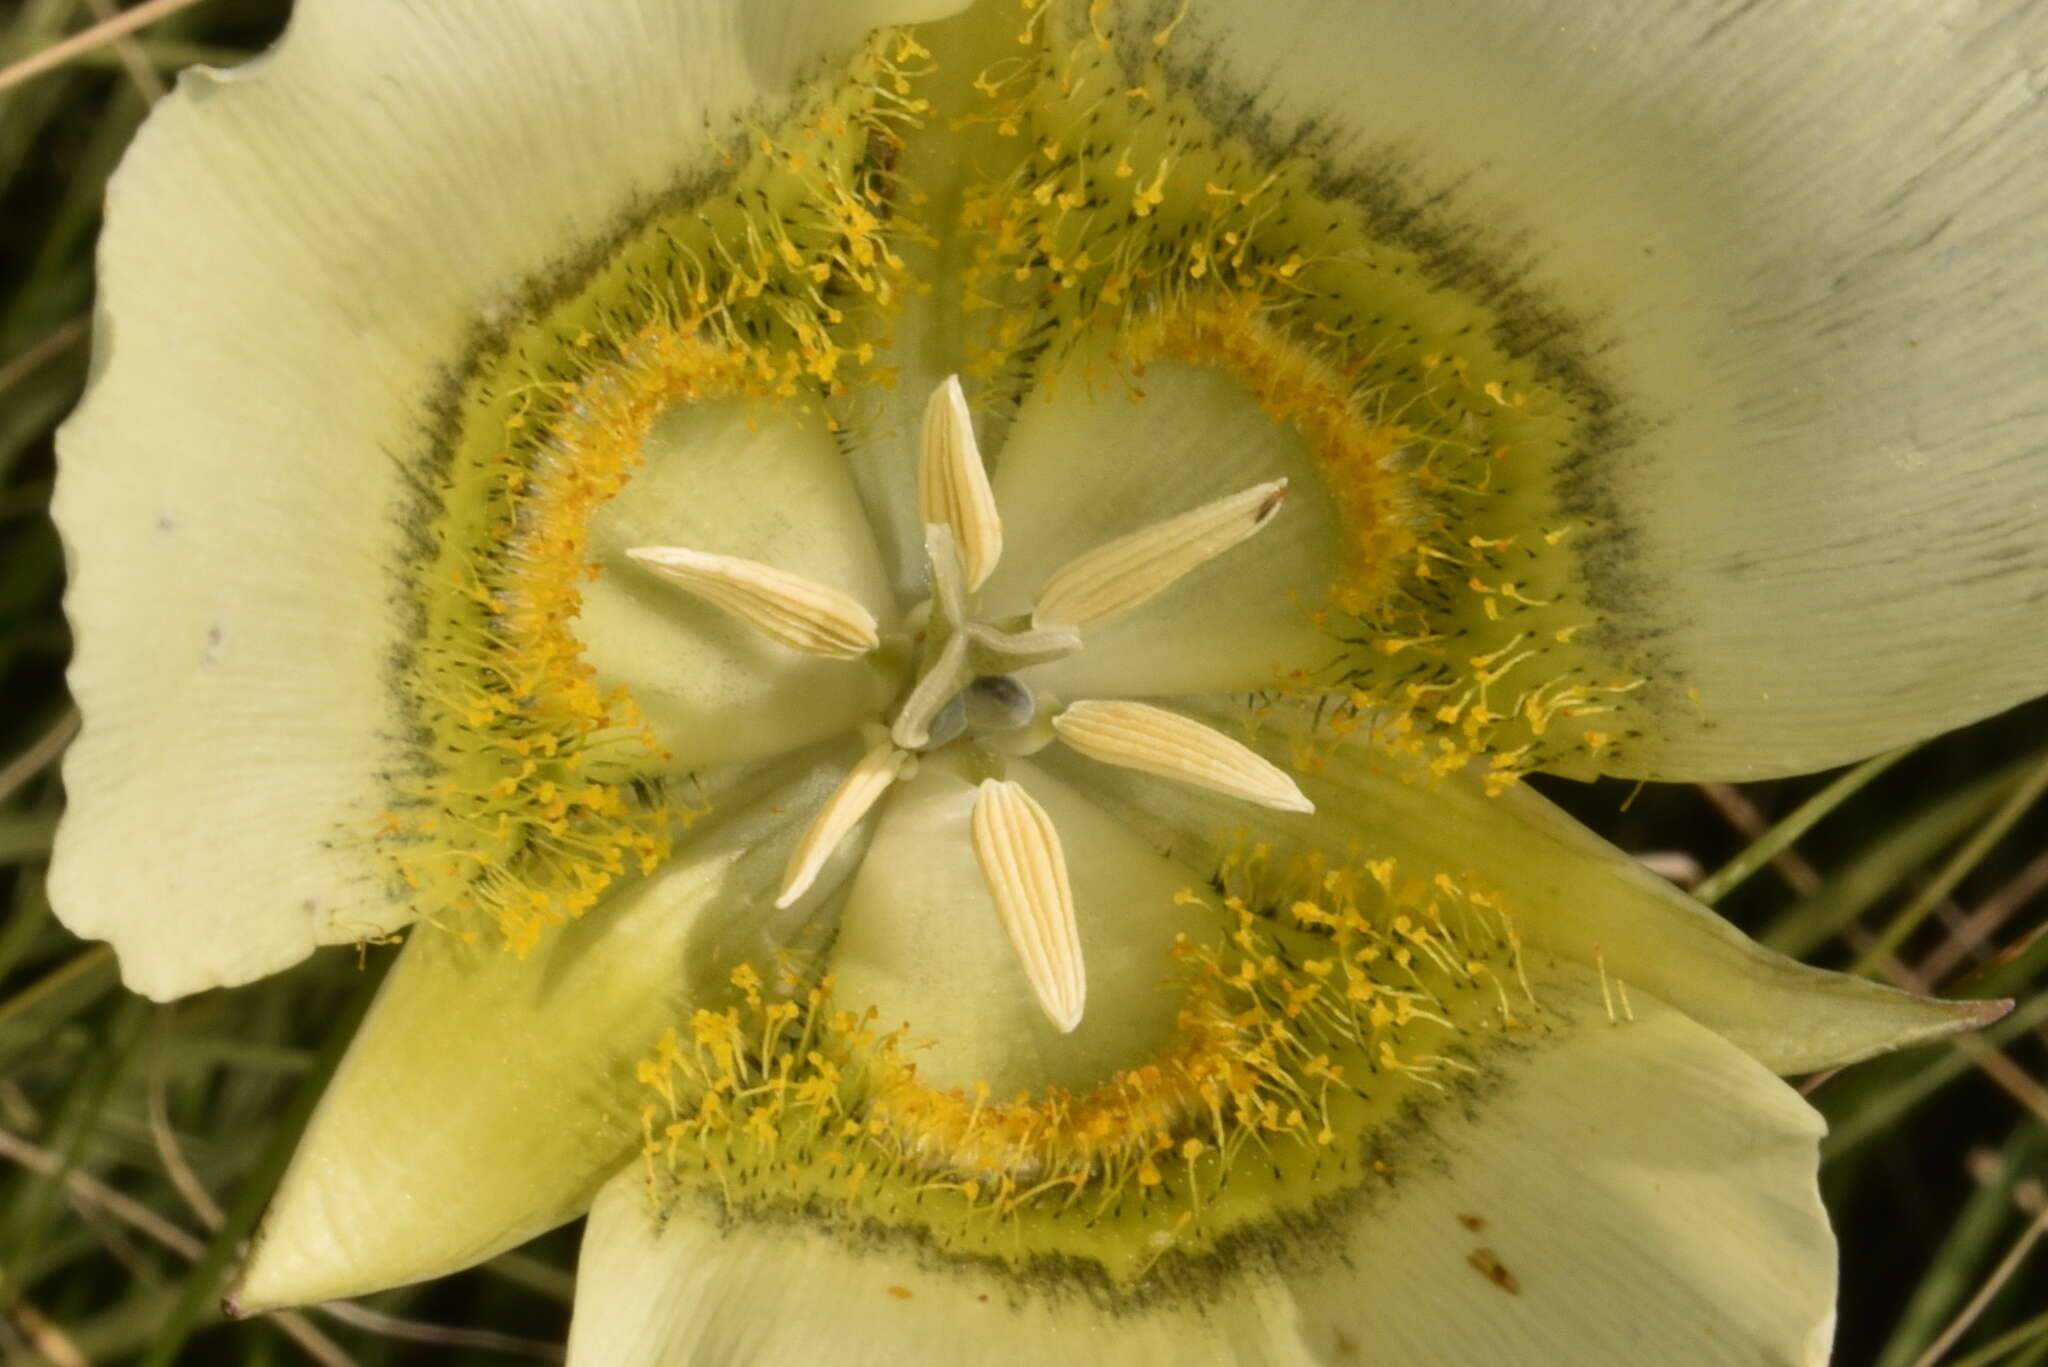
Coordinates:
934	627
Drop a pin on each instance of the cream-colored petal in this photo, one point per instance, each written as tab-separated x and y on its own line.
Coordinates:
1633	1193
1795	251
697	1291
1082	468
486	1097
1572	894
1612	1195
298	254
921	940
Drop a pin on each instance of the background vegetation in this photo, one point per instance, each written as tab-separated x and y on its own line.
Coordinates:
138	1142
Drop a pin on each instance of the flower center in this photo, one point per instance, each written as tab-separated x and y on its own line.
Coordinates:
970	693
1093	225
1090	224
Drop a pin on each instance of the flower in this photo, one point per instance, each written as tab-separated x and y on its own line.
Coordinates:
506	503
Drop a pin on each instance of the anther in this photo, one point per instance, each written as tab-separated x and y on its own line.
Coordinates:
850	801
800	613
1020	857
1155	741
1118	576
952	484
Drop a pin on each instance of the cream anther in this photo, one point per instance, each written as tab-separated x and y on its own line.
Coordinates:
850	801
965	688
1118	576
1138	736
952	484
800	613
1026	870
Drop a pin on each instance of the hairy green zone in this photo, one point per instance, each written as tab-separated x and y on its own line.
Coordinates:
1116	224
537	788
1334	1013
1139	230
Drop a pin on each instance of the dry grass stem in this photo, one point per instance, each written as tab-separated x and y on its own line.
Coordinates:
1969	936
133	60
1992	1284
1748	822
99	35
43	352
40	754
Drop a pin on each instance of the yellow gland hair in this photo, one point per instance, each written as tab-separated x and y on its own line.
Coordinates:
534	790
1130	227
1332	1010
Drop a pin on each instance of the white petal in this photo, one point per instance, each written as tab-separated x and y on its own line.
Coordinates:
1805	247
694	1293
297	254
1573	895
1080	470
1646	1190
486	1097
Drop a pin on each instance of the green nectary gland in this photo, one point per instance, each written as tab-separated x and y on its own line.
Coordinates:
1312	1041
